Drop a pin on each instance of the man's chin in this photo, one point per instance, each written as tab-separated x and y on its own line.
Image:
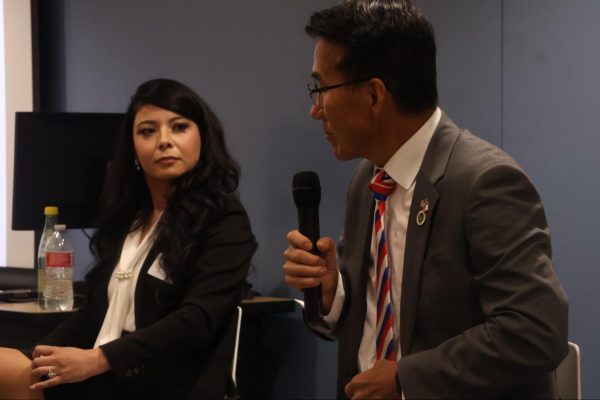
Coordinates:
338	151
340	155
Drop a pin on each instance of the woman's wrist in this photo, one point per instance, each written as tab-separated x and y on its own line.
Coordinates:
102	364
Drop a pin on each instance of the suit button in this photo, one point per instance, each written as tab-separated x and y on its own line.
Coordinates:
128	373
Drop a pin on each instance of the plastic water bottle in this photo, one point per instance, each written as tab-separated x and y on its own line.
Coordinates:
58	293
51	216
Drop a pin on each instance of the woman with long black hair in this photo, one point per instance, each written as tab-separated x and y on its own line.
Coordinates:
173	247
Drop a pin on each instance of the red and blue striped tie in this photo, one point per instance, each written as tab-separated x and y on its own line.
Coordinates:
382	185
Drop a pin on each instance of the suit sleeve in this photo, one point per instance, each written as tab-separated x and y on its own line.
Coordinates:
524	333
209	300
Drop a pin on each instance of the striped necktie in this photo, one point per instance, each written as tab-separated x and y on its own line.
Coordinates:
382	185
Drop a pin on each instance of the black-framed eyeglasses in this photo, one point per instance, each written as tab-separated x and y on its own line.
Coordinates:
314	90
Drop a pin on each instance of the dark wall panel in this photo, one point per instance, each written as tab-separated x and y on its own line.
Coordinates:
250	61
551	126
468	35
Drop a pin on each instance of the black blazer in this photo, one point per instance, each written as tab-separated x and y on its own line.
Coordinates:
482	313
182	346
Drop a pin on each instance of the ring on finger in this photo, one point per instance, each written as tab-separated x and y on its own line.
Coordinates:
51	374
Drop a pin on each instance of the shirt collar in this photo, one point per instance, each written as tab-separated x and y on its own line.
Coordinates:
404	165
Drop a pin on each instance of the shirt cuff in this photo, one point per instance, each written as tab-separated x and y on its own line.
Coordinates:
338	303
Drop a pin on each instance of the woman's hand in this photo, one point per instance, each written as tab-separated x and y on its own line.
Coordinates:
66	365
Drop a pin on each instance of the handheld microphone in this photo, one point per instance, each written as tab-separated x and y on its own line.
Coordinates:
307	195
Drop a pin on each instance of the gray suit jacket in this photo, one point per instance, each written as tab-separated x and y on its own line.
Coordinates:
482	313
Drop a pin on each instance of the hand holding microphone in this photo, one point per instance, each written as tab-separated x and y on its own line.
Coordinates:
311	263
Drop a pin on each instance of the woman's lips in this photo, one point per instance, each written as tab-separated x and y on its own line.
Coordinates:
166	160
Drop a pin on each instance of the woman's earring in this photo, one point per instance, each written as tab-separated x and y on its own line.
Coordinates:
137	164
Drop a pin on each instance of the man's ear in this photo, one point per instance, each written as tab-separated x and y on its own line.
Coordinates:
378	93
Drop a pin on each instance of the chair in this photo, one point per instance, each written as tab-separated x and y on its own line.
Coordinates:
236	345
232	390
568	374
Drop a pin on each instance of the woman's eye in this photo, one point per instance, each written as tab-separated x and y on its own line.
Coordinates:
180	127
145	130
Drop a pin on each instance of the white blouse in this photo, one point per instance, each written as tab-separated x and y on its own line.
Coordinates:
120	315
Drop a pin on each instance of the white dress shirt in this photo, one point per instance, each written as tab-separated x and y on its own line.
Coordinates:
402	167
120	315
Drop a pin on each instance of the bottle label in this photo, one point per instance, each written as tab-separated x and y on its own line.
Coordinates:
63	259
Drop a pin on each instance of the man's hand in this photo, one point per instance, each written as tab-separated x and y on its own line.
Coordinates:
305	270
378	382
66	364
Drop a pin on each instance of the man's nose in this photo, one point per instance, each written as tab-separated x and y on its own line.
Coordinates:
316	112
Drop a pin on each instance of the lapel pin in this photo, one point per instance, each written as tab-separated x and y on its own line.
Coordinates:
422	214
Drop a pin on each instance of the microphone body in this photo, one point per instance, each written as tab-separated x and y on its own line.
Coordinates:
307	195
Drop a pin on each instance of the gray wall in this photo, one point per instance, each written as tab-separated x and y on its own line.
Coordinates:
520	73
551	87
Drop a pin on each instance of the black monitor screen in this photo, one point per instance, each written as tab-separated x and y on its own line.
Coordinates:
60	160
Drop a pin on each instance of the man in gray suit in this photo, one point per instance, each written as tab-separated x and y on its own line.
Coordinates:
443	286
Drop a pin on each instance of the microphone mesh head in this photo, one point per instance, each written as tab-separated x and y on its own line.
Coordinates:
306	189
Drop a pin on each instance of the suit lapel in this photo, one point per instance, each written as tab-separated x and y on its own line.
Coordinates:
144	289
425	200
416	243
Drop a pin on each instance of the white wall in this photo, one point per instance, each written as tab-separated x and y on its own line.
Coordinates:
17	248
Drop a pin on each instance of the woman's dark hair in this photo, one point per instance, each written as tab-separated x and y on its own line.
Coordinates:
388	39
197	196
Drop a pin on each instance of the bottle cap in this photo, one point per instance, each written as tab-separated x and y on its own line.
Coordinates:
60	227
50	210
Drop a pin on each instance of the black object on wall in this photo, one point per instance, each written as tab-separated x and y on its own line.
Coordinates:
48	58
60	160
